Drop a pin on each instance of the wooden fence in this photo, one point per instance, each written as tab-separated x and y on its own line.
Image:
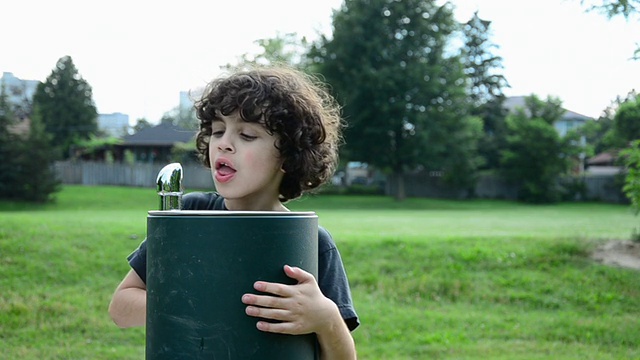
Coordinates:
604	188
195	176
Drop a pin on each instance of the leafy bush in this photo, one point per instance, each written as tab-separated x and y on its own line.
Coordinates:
631	188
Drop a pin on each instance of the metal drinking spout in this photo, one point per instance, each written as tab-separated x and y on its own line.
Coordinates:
170	187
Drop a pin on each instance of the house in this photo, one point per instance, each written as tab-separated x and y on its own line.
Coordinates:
569	120
603	164
153	144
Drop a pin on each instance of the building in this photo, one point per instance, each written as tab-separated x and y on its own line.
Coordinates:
19	92
186	103
114	125
570	120
604	164
154	144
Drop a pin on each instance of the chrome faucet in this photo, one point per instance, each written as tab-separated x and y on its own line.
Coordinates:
169	188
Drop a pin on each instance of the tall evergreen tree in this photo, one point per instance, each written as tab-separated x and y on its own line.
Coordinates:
481	65
26	169
402	96
8	148
485	87
66	107
38	181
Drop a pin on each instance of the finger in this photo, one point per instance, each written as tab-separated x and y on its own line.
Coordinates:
273	288
281	328
298	274
263	301
266	313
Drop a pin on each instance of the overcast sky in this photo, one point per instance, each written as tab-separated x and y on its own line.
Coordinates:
138	55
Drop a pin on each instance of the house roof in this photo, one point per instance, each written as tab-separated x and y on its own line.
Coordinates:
513	102
159	135
605	158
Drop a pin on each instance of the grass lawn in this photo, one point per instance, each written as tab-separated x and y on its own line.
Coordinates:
430	278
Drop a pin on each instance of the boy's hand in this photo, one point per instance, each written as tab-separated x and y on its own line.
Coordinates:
299	309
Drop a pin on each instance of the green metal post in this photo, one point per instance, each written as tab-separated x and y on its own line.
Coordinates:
200	263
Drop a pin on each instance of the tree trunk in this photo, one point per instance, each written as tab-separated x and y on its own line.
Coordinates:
400	192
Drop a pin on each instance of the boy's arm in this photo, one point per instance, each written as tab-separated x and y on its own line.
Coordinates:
128	305
302	309
336	341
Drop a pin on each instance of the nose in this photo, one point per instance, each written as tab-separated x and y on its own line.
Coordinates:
224	143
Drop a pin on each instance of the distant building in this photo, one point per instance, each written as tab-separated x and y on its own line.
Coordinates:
19	92
569	120
604	164
115	124
186	103
188	98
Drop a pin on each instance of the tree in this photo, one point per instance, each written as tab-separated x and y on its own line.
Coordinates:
66	106
601	134
402	95
536	155
38	181
8	149
612	8
596	136
141	124
626	122
287	49
631	188
485	86
182	117
26	169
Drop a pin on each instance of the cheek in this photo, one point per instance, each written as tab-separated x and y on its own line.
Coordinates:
212	156
249	157
262	159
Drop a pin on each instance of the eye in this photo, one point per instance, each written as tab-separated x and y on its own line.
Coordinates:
217	133
248	137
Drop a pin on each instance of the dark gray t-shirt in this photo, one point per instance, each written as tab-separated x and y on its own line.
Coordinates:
332	278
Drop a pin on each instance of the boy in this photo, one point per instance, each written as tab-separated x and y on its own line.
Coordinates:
268	135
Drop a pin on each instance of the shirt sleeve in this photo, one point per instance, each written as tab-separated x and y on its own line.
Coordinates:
333	280
138	261
191	201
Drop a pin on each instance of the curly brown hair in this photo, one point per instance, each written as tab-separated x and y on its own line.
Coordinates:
288	103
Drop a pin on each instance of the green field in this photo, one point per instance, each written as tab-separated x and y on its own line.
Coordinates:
431	279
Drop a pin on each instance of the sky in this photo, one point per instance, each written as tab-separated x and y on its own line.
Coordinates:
138	55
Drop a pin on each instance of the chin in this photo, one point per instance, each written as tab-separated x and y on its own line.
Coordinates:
229	193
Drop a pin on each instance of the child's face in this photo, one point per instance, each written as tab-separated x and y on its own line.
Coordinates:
245	164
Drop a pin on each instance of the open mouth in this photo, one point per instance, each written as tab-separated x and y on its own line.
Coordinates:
224	167
224	171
